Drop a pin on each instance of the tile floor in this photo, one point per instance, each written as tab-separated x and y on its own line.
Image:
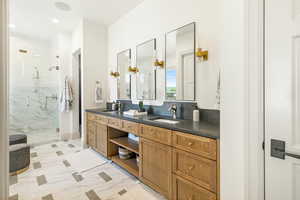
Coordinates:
52	177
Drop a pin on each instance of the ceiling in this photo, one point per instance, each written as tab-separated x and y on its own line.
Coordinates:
35	17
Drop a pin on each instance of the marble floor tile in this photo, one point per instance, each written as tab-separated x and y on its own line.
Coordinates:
92	195
66	163
33	155
13	180
41	180
48	197
122	192
56	180
37	165
14	197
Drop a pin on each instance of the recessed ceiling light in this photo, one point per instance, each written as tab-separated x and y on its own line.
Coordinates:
55	21
12	26
62	6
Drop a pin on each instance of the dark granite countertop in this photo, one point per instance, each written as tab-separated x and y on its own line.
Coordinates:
202	128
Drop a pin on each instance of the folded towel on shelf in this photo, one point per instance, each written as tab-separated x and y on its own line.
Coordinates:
134	113
66	97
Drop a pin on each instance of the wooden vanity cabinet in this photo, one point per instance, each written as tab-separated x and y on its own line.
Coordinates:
201	146
91	134
156	166
196	169
186	190
101	139
97	133
156	134
178	165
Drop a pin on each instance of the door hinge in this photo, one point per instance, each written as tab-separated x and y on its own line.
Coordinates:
263	145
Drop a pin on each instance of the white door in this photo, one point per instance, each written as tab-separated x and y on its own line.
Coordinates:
282	99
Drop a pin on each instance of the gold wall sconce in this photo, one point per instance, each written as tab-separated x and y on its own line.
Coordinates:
158	63
115	74
133	69
202	54
23	51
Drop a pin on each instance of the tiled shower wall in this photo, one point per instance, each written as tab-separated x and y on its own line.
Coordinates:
30	111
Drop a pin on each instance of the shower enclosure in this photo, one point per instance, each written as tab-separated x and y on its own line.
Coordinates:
33	94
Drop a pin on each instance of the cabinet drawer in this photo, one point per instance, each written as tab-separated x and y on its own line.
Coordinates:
101	119
185	190
160	135
130	127
114	122
205	147
91	116
196	169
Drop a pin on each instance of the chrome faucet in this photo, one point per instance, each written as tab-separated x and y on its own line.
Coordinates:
173	110
119	106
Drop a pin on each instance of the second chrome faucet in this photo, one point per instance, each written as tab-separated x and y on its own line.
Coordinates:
173	110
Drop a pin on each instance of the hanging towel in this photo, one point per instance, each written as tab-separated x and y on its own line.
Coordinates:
66	98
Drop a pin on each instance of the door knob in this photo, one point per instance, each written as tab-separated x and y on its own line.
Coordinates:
278	150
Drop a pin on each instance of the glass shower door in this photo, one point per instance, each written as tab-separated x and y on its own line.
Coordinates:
33	97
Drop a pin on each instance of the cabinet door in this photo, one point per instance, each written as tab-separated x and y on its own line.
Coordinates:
91	134
155	167
101	139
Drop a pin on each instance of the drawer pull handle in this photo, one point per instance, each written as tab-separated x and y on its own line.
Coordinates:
191	168
190	144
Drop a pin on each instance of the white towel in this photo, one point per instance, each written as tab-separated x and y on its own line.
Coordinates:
66	97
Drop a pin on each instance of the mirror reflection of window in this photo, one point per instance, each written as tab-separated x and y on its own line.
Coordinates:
171	84
124	82
146	77
180	64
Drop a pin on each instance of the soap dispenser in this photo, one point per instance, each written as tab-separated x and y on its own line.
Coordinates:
196	114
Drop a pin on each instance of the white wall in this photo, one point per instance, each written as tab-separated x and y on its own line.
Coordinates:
152	19
77	37
94	61
91	38
233	102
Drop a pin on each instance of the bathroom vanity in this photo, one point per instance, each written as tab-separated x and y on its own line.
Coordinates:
179	160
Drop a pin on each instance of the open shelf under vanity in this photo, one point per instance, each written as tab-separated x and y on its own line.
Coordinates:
118	138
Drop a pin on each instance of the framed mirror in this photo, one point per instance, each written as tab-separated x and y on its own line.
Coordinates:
180	63
146	77
124	81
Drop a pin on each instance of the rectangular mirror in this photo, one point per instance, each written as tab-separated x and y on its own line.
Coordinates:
124	81
180	64
146	77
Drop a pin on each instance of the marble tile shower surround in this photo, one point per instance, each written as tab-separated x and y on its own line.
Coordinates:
185	110
58	181
30	111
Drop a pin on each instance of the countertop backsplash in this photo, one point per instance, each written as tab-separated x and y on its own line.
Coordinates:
185	110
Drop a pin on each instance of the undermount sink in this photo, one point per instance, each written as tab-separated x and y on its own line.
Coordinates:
168	121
